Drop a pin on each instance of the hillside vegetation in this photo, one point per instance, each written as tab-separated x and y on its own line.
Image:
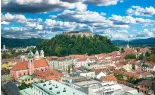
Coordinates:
11	43
62	45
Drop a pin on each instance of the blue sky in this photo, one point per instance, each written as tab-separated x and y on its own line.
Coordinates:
116	19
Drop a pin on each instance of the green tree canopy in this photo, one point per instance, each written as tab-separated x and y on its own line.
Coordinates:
62	45
130	56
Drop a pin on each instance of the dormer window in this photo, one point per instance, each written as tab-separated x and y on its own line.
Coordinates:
64	89
58	92
50	88
56	86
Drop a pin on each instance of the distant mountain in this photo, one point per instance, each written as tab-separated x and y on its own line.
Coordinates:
137	42
11	42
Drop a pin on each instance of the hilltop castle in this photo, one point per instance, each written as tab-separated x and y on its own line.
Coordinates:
81	33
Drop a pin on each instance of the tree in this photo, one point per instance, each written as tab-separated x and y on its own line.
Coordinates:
119	76
152	58
130	56
24	86
122	50
63	45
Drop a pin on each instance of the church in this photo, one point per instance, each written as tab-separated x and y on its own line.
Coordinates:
29	65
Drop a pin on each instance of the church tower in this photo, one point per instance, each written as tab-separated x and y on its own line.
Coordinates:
42	54
128	46
30	62
37	55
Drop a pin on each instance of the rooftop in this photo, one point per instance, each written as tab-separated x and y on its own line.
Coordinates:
57	88
24	65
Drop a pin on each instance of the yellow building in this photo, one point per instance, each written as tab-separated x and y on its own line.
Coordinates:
7	65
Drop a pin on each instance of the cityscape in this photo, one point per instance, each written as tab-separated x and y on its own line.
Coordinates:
77	47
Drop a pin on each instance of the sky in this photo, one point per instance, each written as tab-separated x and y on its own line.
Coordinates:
115	19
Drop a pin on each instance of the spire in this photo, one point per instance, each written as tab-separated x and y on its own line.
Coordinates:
128	46
42	54
30	54
36	54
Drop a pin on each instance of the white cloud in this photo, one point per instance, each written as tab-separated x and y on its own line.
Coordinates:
126	20
35	6
123	19
14	18
116	34
139	11
63	26
145	34
82	17
4	23
103	2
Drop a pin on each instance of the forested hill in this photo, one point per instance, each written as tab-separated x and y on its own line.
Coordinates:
137	42
62	45
10	42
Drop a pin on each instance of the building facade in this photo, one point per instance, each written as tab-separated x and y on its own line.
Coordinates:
60	63
29	66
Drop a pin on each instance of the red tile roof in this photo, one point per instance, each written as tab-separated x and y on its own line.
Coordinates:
49	74
40	63
20	66
109	78
91	57
82	59
61	58
77	56
24	65
97	71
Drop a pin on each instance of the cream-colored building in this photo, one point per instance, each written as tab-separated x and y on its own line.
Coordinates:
79	33
60	63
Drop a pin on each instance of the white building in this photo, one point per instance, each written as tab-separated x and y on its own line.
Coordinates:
53	87
88	75
101	74
83	62
111	88
4	49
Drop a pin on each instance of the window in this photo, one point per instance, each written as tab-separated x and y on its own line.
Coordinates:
58	92
50	88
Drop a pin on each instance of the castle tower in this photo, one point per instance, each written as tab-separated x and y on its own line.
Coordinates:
37	55
42	54
30	62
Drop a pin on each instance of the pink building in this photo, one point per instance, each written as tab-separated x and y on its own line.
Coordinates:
29	66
